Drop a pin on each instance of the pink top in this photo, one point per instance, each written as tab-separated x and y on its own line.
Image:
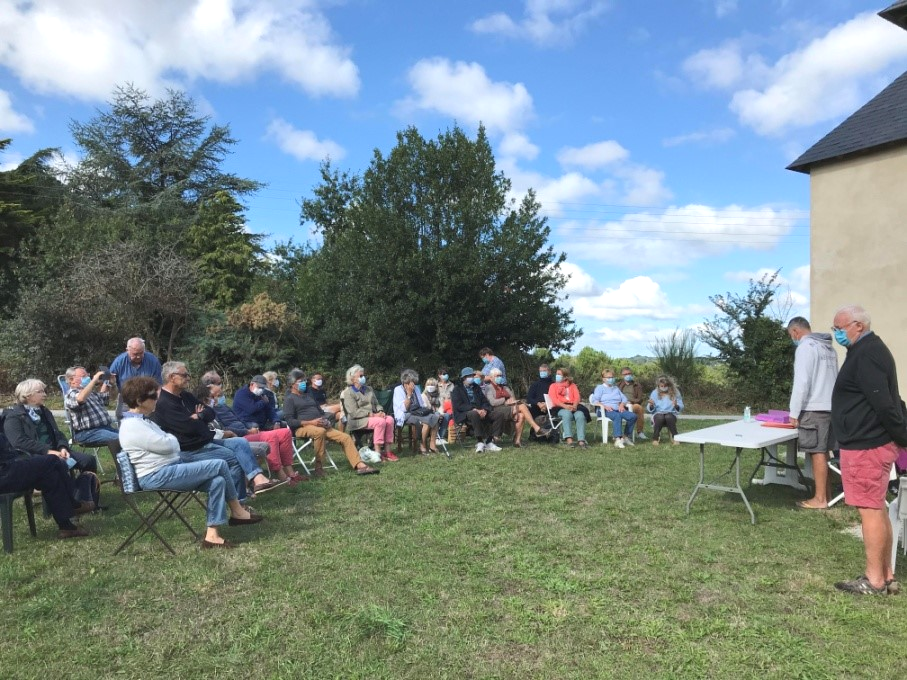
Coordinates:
564	392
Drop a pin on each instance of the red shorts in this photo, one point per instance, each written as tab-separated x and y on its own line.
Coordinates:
865	473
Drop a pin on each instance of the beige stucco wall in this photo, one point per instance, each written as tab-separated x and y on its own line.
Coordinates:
858	246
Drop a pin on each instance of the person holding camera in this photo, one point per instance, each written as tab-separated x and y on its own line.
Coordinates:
90	421
305	417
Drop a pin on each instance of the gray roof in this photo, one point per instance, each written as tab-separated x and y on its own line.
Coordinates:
896	13
880	123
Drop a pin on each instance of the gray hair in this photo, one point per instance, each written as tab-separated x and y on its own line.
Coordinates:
495	371
856	313
135	341
798	322
408	375
351	372
71	371
270	376
170	368
28	387
295	375
211	378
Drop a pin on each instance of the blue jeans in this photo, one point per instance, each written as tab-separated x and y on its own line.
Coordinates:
214	451
243	452
210	476
618	419
568	418
103	436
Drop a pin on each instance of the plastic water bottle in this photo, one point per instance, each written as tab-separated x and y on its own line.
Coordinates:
747	415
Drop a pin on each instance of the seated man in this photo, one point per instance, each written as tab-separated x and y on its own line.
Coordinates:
535	398
306	419
633	392
275	445
613	403
470	405
179	413
252	405
334	411
91	423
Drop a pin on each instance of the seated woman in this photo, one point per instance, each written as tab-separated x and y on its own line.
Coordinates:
271	392
155	456
431	395
363	412
500	396
30	427
411	409
616	407
665	403
564	396
48	472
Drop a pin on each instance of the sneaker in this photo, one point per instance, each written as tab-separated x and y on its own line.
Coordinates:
389	456
641	436
491	446
440	441
861	586
628	441
480	447
619	443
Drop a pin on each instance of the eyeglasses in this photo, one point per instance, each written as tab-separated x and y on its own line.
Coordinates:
835	329
182	375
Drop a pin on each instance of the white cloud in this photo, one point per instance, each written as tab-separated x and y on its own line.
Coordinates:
642	186
517	145
717	136
465	92
579	282
304	145
829	77
636	297
677	235
10	120
9	160
792	298
593	156
161	44
544	22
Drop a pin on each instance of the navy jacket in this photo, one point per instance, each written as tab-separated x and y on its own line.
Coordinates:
462	404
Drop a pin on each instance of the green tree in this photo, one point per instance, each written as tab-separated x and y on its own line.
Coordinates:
225	254
755	346
675	356
424	259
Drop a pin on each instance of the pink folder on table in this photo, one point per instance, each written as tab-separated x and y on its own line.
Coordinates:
774	416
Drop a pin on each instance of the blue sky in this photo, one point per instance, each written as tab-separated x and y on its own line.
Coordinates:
655	134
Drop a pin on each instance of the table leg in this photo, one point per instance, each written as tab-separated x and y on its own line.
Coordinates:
737	489
700	484
776	469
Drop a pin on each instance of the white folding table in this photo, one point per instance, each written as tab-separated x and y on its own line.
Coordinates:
741	435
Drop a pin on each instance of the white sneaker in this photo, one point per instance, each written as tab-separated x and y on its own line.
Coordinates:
439	441
628	441
480	447
619	443
491	446
641	436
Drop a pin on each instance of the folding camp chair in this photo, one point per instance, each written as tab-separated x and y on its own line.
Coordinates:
554	421
308	464
67	418
170	502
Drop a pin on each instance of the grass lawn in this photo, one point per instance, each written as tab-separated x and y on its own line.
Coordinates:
543	562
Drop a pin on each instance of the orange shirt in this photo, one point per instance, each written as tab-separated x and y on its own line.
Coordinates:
562	393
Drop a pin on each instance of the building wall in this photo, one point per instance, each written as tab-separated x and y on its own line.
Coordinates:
858	246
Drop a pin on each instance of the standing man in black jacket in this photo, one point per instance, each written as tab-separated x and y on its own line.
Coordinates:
869	422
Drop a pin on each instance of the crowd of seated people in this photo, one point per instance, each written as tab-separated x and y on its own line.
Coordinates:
179	438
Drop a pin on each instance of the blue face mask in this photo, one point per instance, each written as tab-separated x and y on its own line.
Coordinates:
361	379
221	400
476	380
85	381
301	385
841	338
543	374
609	381
796	342
499	380
445	377
628	378
484	360
558	378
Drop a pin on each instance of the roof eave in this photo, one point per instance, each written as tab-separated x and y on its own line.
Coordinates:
896	14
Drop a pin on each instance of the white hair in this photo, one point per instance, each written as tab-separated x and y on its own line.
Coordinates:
26	388
856	313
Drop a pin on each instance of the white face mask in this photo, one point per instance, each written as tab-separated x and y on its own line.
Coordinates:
318	383
258	391
431	389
